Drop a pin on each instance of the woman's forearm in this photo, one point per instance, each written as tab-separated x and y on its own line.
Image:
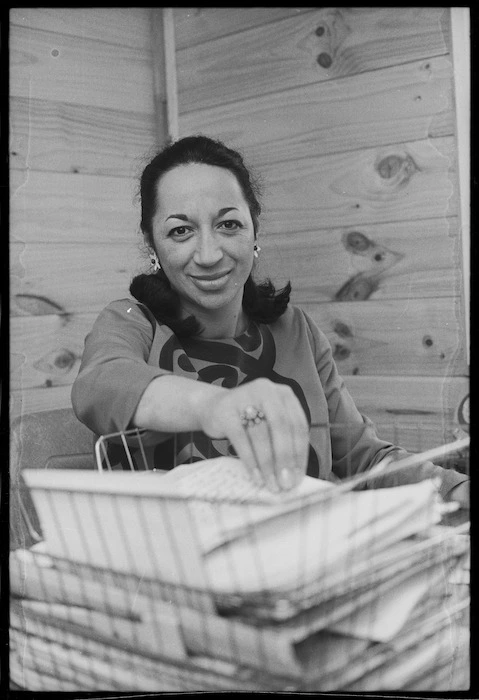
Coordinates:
273	447
172	403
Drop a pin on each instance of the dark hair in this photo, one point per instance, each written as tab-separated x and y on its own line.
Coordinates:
261	302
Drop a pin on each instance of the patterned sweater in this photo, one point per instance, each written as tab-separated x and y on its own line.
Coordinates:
126	349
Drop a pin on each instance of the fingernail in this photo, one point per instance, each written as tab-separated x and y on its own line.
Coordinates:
299	476
256	478
273	485
286	479
259	481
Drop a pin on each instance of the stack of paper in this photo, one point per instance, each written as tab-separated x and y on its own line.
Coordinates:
339	545
319	589
276	542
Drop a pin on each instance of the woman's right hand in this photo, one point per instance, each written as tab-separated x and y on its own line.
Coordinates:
275	447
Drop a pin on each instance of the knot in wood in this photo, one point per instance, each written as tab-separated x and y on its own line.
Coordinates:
65	359
39	305
358	288
341	352
390	166
342	329
324	60
427	341
397	168
356	241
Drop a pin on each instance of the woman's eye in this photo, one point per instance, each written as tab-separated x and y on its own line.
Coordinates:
230	225
179	231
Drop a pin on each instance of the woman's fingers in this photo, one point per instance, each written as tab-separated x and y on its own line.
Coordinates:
244	449
279	437
259	437
268	429
300	433
289	438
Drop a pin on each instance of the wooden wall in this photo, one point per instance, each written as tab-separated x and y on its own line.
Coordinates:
348	116
82	118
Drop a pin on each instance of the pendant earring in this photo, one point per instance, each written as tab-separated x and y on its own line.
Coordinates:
256	250
155	263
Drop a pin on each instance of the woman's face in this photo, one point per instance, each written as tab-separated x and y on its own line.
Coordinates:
204	236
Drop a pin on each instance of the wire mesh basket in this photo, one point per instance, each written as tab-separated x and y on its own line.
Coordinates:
193	579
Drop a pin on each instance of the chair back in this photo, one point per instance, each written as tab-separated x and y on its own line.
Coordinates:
52	439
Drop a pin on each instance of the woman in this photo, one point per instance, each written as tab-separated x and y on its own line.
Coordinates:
208	350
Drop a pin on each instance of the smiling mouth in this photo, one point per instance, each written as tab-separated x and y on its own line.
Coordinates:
213	281
214	276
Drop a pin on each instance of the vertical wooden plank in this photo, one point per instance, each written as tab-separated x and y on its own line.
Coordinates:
158	71
460	35
171	78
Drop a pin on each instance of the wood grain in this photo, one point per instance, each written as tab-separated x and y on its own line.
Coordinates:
65	68
401	182
161	80
356	102
83	124
63	137
46	350
127	26
407	102
318	263
196	25
72	207
422	337
23	401
285	53
417	413
75	276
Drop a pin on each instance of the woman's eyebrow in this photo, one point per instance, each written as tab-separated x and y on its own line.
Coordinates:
183	217
224	211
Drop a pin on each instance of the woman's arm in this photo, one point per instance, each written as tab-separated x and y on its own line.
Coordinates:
175	404
274	452
117	389
114	370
